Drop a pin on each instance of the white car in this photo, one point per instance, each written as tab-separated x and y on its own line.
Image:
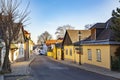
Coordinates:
41	52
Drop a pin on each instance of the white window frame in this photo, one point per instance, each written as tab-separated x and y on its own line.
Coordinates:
70	52
98	55
89	54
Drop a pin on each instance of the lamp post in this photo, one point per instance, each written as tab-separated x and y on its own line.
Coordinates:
79	35
62	54
56	50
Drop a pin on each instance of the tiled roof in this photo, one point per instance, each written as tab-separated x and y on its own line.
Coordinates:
26	32
106	36
74	34
49	42
107	33
58	45
98	25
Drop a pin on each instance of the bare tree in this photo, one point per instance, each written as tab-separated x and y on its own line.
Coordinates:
60	31
44	37
11	20
88	26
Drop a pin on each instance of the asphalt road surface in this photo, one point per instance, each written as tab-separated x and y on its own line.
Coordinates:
43	68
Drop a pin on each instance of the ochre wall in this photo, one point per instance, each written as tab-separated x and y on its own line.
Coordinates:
59	53
50	54
75	55
54	52
105	55
106	52
68	56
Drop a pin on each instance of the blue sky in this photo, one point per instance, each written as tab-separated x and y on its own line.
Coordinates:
47	15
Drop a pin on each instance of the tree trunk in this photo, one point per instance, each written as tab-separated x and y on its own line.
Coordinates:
6	68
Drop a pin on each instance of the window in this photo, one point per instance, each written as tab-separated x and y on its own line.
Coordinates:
89	54
70	52
58	53
66	51
21	50
16	53
98	53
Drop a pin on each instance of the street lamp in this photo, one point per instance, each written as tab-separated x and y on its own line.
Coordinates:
62	53
56	50
79	35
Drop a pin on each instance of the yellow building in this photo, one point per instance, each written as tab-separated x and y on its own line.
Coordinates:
99	49
59	53
52	48
28	45
17	47
59	50
71	51
99	55
96	46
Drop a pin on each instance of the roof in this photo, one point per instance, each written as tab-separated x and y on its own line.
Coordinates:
106	36
26	32
13	46
98	25
100	42
49	42
74	34
59	45
107	33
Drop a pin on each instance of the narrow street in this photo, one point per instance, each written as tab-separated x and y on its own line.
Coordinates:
44	68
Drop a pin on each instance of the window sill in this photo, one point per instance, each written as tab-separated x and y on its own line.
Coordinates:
90	59
99	61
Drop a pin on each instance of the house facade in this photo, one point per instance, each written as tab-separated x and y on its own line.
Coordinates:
17	47
99	55
16	51
72	52
100	48
53	48
28	45
96	46
59	51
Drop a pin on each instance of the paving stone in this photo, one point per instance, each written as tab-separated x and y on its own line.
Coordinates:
20	71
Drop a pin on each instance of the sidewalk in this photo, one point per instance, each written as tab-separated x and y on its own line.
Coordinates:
20	71
91	68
